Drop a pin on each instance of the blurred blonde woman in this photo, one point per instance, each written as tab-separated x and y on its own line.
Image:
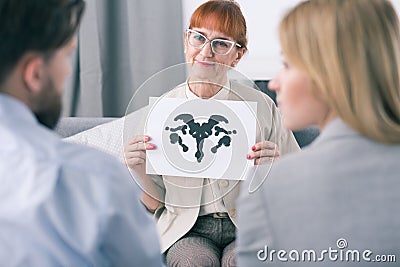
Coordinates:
341	72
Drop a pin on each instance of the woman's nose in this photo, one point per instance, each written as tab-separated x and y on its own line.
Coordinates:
207	50
273	84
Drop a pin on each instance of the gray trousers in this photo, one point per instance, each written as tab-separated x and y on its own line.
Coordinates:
211	242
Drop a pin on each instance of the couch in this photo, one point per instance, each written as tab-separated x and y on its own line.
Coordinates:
69	126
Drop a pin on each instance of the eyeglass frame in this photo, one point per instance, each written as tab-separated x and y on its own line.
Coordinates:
188	31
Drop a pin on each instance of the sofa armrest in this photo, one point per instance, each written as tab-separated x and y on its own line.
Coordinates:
306	136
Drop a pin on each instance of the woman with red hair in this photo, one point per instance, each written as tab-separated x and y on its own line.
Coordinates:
197	216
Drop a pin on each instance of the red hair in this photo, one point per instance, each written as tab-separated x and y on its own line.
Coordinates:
223	16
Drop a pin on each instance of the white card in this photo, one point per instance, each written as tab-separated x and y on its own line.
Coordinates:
202	138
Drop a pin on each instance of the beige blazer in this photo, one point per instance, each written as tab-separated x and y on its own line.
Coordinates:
181	196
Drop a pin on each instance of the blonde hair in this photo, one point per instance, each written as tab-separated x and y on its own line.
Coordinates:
351	51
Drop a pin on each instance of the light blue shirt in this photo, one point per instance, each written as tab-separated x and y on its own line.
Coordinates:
62	204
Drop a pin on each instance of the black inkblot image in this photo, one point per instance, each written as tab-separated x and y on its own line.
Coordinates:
200	132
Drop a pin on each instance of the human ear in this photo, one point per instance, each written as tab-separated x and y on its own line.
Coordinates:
33	72
240	53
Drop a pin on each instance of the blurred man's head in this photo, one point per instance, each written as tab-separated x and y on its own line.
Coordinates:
37	38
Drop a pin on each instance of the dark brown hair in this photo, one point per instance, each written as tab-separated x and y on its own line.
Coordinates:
40	26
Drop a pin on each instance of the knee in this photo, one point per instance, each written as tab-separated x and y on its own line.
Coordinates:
192	259
228	260
229	256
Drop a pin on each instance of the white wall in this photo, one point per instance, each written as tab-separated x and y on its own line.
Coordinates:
262	16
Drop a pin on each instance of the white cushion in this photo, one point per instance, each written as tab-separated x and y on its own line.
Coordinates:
110	137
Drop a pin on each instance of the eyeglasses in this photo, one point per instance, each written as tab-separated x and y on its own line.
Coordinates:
218	46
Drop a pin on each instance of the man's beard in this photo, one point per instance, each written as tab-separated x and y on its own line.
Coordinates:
48	105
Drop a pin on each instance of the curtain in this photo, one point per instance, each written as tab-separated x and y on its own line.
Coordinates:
122	43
